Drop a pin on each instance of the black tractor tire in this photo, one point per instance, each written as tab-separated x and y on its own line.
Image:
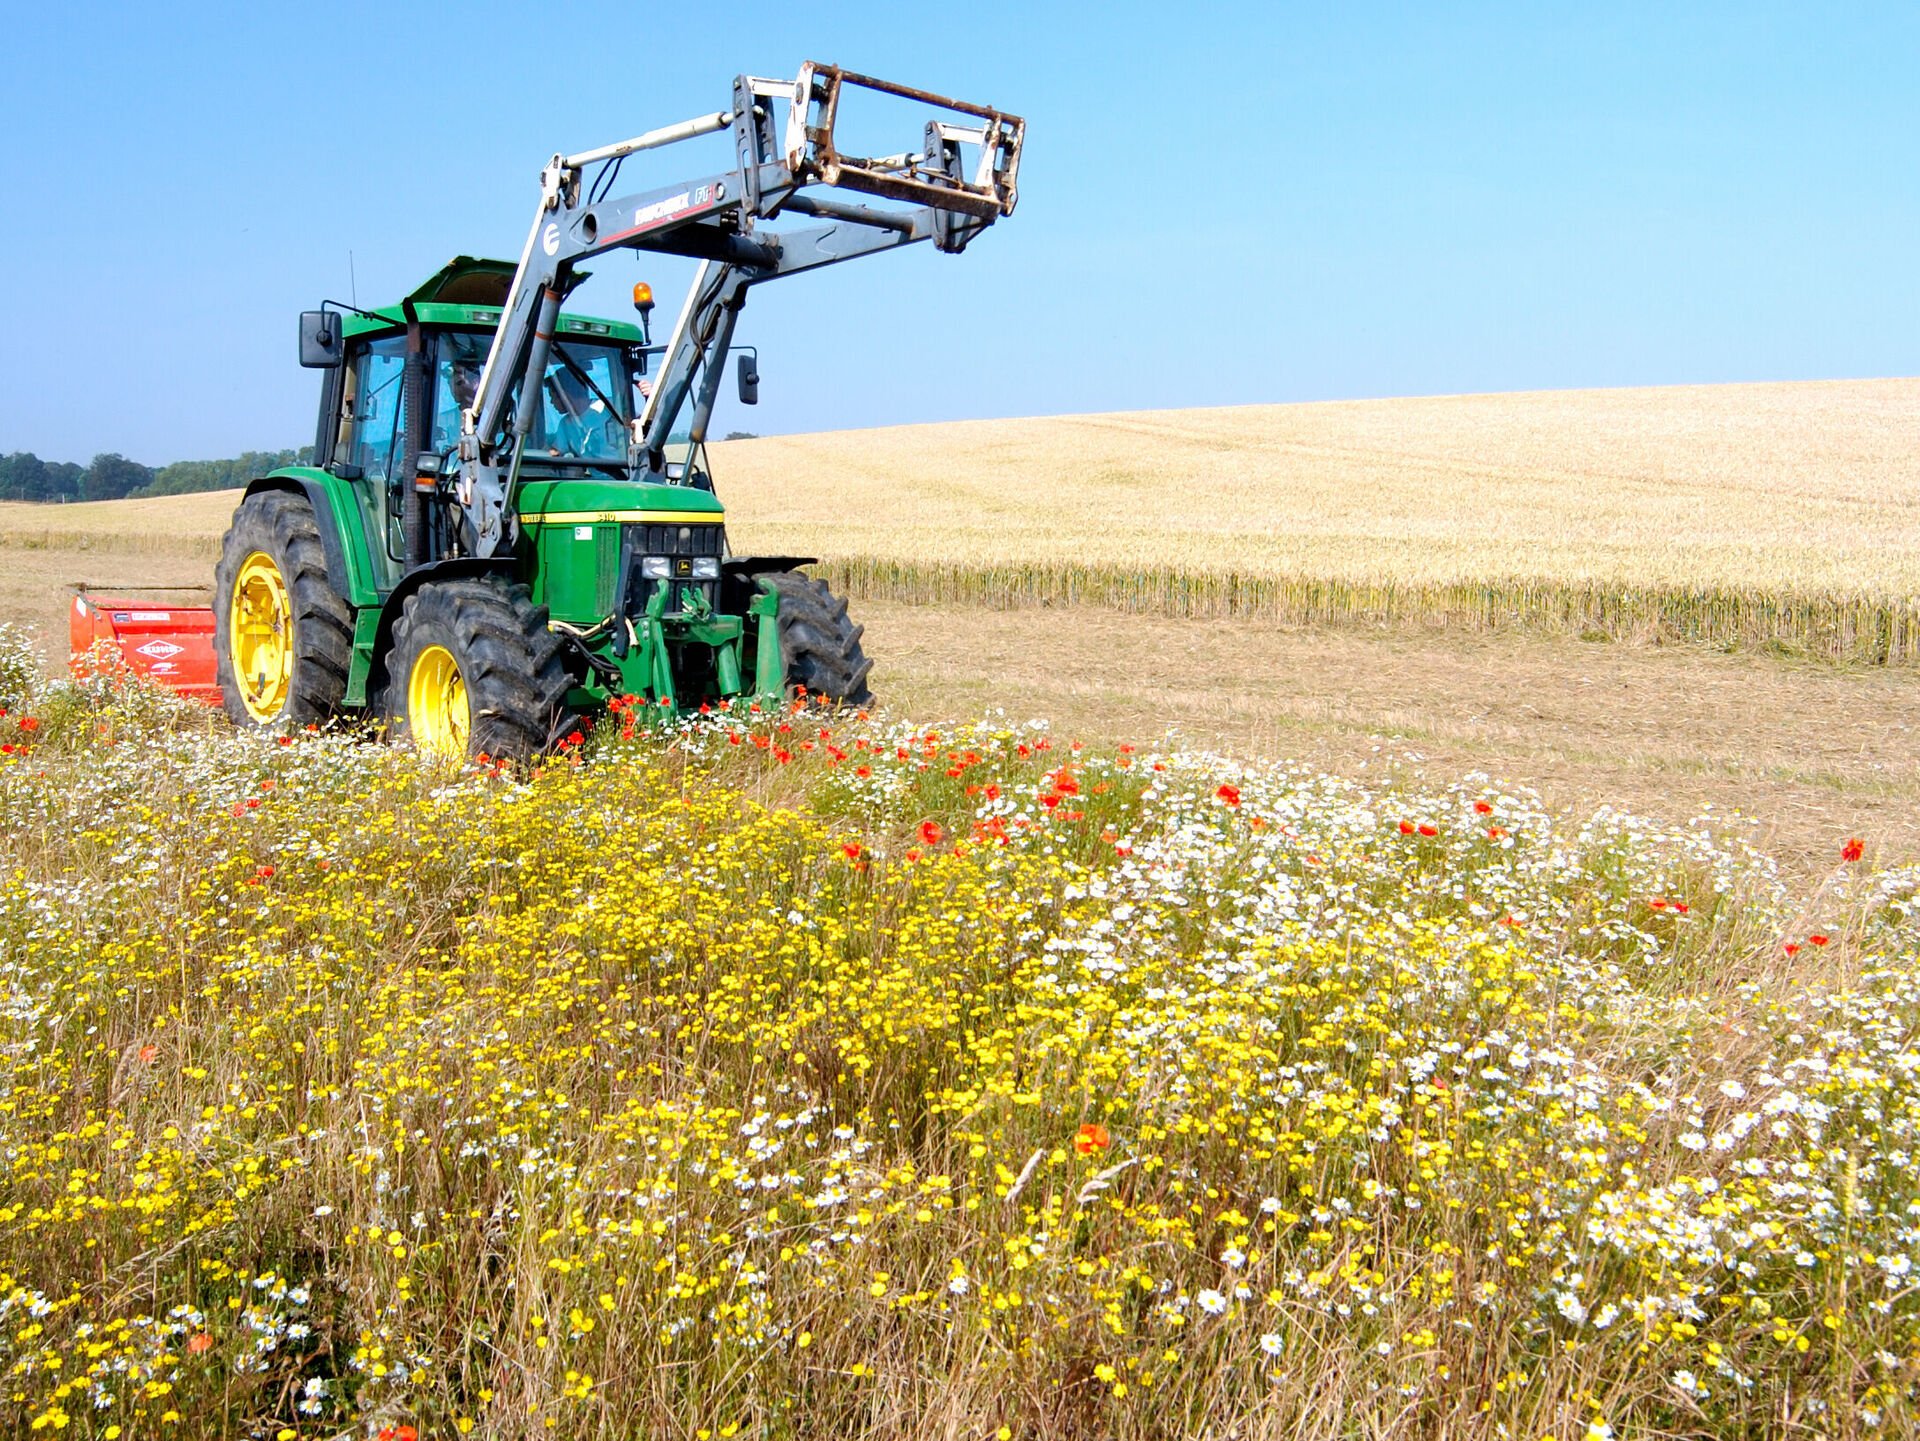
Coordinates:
512	666
819	646
280	526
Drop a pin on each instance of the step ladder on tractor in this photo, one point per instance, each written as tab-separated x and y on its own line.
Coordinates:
502	530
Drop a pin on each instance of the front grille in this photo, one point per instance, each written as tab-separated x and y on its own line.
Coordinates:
674	541
679	539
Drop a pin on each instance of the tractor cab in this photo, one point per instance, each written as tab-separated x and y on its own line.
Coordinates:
582	409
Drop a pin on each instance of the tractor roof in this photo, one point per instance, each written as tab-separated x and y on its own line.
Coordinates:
470	291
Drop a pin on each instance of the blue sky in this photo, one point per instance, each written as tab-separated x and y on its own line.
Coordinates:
1219	204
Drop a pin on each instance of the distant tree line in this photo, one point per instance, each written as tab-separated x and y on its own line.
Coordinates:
24	476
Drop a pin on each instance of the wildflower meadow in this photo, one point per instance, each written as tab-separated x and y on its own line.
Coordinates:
804	1074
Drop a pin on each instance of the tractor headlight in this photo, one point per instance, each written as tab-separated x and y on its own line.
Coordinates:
706	567
656	567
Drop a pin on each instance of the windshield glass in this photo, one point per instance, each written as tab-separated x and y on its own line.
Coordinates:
582	399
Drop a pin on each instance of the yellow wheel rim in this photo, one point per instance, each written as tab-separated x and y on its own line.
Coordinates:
437	712
260	636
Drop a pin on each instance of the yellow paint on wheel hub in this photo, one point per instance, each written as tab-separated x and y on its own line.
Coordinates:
437	712
260	637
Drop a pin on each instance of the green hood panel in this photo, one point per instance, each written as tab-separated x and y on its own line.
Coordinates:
559	501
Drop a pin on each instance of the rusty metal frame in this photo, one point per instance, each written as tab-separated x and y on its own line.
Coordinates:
991	192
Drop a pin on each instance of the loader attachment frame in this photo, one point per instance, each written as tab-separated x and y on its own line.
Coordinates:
723	220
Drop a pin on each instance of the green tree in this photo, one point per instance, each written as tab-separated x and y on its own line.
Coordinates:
187	476
23	476
112	477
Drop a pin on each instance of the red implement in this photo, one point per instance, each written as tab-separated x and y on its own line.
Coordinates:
170	644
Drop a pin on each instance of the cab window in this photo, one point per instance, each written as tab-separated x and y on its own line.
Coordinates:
370	435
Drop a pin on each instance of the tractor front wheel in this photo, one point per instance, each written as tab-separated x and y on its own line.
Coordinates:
819	645
282	635
475	671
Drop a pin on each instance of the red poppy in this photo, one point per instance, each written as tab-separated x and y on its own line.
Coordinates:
1681	907
1429	831
1657	904
147	1053
1090	1138
1494	833
1817	940
1852	850
1482	808
286	740
1229	794
28	723
574	738
852	849
1406	828
930	832
1792	949
265	872
198	1342
863	770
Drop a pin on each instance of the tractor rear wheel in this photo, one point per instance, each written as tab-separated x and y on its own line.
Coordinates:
475	671
282	636
819	645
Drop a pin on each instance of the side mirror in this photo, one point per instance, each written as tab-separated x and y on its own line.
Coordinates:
749	380
321	341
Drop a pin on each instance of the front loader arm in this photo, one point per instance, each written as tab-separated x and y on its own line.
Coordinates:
718	219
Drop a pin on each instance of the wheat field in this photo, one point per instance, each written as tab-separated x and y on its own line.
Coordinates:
1720	513
1734	513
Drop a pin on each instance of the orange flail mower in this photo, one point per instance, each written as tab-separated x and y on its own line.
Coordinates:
169	644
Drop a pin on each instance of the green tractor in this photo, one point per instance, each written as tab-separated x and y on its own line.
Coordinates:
501	530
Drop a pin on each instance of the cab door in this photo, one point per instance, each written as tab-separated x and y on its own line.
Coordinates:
372	440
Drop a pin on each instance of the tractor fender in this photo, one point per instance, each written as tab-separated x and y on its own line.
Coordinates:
737	572
459	568
338	576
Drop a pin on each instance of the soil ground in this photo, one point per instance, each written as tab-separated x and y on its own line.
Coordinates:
1811	751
